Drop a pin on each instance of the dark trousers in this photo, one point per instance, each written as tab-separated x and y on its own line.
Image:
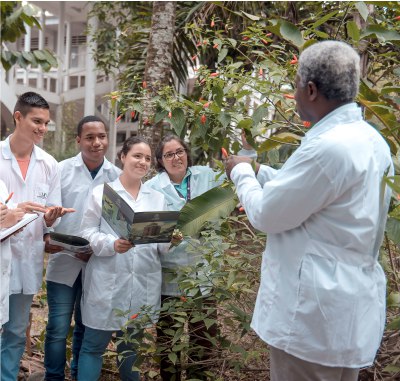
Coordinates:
202	347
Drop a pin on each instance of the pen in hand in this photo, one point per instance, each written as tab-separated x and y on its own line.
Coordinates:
8	198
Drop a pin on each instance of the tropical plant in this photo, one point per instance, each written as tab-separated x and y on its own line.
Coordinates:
13	17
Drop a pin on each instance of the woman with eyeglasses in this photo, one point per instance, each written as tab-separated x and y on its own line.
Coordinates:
119	276
179	181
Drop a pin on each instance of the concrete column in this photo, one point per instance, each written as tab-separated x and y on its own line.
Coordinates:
112	133
60	48
91	74
67	57
41	46
27	48
59	85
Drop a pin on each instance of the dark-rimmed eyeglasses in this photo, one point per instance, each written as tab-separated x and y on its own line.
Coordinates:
171	155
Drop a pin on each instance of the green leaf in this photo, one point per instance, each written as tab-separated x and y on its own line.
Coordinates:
259	114
363	9
381	33
178	120
216	203
172	357
291	33
394	324
353	31
322	20
251	17
222	54
218	95
278	140
225	119
160	116
393	230
245	124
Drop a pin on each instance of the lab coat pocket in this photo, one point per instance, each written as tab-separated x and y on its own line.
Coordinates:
327	303
101	289
41	192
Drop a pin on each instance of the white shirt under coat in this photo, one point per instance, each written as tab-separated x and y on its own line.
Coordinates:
41	185
125	281
322	291
5	266
77	186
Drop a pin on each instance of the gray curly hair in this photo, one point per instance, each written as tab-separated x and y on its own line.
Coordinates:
334	67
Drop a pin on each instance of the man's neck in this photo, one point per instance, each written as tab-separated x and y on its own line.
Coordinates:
20	147
91	165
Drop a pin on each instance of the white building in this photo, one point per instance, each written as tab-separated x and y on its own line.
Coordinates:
64	25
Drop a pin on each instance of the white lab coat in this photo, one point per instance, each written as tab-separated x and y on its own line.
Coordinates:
125	281
77	186
322	291
202	179
5	266
41	185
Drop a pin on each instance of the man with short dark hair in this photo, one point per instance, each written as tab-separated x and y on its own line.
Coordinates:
79	175
321	302
31	174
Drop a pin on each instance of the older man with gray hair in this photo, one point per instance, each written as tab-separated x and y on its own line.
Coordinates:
321	302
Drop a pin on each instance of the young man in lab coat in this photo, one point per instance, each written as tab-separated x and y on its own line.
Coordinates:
321	302
31	174
79	175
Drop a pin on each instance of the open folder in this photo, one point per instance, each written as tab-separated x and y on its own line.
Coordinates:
26	219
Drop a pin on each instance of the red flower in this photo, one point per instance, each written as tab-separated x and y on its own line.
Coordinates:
198	44
269	34
260	72
214	75
224	153
134	316
306	124
114	97
144	84
132	114
206	105
203	119
183	299
294	60
241	209
265	42
212	24
397	18
118	119
170	115
194	57
246	38
215	46
288	96
205	42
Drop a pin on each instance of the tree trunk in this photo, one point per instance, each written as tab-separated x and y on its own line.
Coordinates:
158	65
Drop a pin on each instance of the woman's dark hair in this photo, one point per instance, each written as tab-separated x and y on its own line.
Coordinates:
128	143
160	149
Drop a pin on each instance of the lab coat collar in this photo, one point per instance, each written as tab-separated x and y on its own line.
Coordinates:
79	162
37	152
165	181
118	187
347	113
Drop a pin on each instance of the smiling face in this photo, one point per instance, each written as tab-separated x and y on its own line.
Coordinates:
137	161
176	166
93	143
33	126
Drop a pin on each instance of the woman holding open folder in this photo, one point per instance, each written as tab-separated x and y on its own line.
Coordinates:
119	276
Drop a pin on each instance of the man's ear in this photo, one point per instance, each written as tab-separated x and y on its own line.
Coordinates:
312	90
17	116
78	139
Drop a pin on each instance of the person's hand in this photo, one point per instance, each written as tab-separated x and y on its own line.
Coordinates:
31	207
85	255
122	245
48	247
10	216
3	213
54	212
177	238
233	160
